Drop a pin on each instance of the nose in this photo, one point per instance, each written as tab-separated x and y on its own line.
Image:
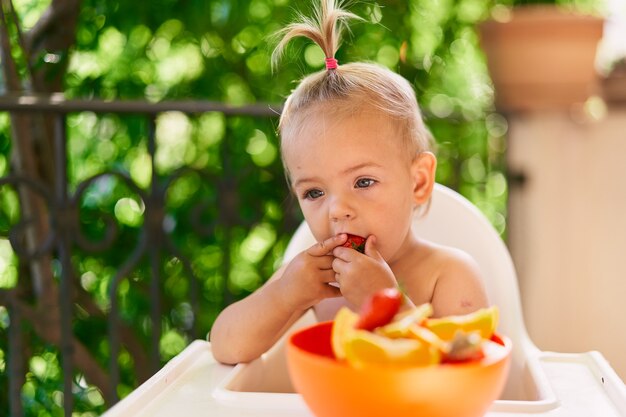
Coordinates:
341	209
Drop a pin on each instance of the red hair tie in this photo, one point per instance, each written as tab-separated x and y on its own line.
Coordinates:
331	63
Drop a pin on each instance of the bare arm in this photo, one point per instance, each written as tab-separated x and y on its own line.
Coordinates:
248	328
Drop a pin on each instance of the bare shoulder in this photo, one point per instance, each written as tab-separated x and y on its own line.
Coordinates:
432	259
457	262
457	282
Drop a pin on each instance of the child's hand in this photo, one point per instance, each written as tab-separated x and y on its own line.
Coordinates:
361	275
306	279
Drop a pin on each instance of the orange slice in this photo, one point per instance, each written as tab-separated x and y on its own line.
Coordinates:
483	321
402	323
365	348
428	337
343	327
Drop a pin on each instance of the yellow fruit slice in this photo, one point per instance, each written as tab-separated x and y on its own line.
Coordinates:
401	324
427	337
343	327
365	348
483	321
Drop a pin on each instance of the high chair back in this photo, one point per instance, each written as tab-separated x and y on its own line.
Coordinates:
453	220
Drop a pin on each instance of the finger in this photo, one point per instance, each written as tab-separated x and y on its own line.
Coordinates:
332	291
327	276
325	247
339	265
370	248
324	262
337	281
345	254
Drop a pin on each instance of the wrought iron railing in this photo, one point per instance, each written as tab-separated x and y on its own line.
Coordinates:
64	237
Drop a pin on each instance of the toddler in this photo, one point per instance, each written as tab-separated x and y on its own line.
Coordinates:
357	156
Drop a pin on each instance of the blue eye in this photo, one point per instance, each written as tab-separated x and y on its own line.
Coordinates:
364	183
313	194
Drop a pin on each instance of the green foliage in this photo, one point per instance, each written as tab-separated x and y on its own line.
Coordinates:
220	50
582	6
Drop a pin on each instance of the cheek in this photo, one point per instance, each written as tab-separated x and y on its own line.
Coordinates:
315	219
393	226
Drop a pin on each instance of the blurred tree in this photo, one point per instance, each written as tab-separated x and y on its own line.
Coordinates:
228	215
35	62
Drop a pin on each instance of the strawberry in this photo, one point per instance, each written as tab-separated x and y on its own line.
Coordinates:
355	242
379	309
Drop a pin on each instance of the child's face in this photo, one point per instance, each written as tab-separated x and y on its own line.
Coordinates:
352	175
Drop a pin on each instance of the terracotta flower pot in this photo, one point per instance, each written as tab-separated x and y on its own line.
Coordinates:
542	58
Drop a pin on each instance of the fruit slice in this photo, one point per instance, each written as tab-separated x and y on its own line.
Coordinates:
355	242
483	321
427	337
402	323
365	348
343	327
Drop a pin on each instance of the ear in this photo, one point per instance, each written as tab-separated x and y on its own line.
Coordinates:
423	170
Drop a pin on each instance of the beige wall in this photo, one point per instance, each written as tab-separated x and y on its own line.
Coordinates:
567	230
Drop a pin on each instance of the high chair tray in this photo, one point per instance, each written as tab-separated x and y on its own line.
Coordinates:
194	384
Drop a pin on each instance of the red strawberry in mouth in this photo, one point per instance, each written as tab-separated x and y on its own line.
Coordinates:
355	242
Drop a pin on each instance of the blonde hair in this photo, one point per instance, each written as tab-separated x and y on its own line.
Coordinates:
350	87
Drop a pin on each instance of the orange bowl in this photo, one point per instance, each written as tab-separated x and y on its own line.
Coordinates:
334	389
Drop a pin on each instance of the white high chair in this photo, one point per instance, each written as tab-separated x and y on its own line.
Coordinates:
539	384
